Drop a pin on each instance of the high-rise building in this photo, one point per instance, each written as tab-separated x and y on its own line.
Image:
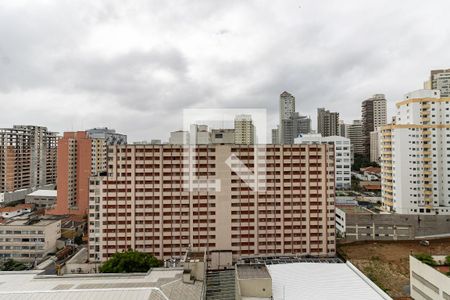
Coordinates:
287	109
342	155
343	129
327	122
415	156
199	135
74	170
149	204
81	154
301	124
244	130
439	80
110	136
375	145
27	157
275	136
355	134
373	116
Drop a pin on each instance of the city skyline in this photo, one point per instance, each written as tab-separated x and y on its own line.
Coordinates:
213	57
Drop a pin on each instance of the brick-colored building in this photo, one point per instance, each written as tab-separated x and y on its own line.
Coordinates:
147	202
27	157
74	170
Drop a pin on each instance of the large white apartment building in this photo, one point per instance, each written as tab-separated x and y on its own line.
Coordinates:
342	150
415	155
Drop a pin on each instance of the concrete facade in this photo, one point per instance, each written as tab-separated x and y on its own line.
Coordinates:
327	122
359	224
416	155
28	240
27	158
373	115
427	283
355	134
147	203
244	130
342	156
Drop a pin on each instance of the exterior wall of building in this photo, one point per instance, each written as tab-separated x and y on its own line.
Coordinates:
179	137
142	203
222	136
439	80
427	283
244	130
74	170
355	134
342	156
375	145
372	226
28	242
275	136
41	201
416	156
373	116
110	136
27	157
327	122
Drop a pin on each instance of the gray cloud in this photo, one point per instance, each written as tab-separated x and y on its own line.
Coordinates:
135	65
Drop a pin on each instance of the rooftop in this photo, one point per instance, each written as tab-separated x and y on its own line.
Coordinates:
28	222
155	284
43	193
354	210
336	281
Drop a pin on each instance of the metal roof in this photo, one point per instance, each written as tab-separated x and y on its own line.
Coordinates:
336	281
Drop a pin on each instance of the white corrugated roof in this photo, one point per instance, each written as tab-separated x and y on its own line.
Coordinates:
46	193
311	281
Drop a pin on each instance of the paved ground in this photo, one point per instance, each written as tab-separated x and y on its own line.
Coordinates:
387	263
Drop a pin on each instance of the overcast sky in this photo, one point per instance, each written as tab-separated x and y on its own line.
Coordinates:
72	65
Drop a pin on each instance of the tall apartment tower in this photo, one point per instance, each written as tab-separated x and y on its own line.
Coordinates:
439	80
147	204
327	122
81	154
74	170
373	116
102	138
27	157
287	109
355	134
276	136
415	155
244	130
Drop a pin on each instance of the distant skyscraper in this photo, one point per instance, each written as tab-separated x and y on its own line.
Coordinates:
327	122
244	130
343	129
355	134
415	156
373	116
27	157
275	136
199	135
439	80
287	109
301	124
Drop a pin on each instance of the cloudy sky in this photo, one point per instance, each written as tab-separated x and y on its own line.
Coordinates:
135	65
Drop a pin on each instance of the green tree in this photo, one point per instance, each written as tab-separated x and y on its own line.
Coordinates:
447	260
426	259
12	265
129	262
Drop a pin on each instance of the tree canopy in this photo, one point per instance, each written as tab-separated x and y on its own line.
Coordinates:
130	261
426	259
12	265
